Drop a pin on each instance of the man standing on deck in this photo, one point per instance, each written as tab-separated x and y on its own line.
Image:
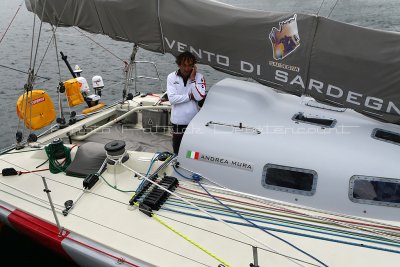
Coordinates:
185	87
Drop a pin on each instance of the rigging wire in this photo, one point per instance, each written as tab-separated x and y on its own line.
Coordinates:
33	35
12	20
45	53
60	107
38	38
21	71
334	6
107	50
319	9
32	78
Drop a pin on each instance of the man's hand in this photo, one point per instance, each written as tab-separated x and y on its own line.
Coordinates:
193	73
191	96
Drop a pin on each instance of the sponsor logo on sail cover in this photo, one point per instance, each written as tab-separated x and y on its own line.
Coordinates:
228	162
37	101
286	39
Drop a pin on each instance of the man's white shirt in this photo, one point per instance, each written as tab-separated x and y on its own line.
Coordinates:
184	109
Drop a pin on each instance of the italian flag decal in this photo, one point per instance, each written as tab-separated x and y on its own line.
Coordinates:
192	155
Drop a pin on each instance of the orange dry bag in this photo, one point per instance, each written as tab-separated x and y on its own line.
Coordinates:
36	109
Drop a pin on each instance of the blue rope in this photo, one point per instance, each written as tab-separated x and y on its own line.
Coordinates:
195	177
148	171
262	229
303	227
289	232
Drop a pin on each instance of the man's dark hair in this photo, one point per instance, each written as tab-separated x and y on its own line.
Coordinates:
185	56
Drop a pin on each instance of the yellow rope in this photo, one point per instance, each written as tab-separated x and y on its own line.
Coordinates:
190	241
187	238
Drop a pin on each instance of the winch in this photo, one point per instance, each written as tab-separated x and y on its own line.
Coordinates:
116	152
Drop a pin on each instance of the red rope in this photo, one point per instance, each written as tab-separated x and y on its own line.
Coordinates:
295	212
41	170
9	25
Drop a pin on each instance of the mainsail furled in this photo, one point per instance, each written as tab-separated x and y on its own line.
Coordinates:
333	62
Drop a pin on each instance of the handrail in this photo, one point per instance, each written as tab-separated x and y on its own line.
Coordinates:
83	137
240	126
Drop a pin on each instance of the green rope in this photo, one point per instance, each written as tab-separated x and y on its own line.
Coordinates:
115	187
54	165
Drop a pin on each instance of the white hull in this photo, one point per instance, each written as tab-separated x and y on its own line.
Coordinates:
102	229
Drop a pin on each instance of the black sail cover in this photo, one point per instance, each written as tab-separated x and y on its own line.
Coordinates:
334	62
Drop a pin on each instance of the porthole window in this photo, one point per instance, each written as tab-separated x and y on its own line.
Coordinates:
289	179
386	136
375	190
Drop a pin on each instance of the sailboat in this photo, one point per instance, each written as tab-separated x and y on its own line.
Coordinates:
263	176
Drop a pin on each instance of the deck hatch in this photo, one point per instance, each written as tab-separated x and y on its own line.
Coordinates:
386	136
375	190
323	122
289	179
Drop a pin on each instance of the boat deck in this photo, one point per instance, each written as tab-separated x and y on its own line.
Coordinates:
200	224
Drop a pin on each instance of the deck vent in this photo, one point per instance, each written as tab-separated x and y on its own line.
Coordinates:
323	122
386	136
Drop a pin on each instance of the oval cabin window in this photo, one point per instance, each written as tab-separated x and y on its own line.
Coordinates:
289	179
375	190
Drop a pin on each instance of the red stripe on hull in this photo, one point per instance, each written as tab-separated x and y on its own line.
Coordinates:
39	230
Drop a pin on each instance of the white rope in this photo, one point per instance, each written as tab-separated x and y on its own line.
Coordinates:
377	233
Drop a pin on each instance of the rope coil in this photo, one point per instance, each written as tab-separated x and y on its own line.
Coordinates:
54	151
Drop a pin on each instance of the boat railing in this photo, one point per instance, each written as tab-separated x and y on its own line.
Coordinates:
137	77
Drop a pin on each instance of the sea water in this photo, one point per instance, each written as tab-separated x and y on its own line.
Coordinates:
107	60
